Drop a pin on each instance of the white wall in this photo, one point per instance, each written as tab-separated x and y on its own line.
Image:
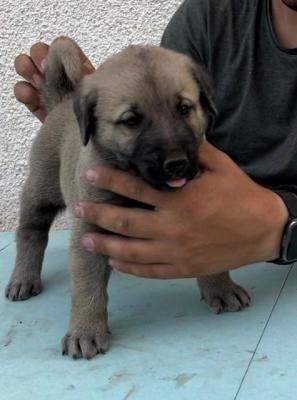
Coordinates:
101	27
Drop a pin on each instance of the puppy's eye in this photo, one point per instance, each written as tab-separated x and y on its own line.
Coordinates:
131	120
184	109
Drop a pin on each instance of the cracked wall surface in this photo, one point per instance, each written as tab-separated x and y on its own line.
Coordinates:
101	27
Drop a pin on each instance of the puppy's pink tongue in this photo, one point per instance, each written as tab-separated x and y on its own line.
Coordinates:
177	183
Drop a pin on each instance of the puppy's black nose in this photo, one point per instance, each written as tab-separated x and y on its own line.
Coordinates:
176	165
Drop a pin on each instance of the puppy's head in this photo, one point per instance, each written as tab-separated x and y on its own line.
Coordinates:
147	109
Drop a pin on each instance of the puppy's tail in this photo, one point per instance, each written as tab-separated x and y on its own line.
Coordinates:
64	71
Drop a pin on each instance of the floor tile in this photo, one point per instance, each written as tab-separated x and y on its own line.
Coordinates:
166	344
273	370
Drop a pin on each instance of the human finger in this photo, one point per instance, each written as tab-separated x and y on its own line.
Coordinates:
132	250
132	222
28	95
124	184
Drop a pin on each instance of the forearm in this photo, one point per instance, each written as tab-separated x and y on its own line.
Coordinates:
274	218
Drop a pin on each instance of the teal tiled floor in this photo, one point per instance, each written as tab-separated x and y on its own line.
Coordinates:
166	344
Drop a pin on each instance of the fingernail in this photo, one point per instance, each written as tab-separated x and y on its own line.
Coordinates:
88	244
91	175
36	80
43	64
78	212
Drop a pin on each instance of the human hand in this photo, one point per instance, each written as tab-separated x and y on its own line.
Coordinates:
218	221
32	68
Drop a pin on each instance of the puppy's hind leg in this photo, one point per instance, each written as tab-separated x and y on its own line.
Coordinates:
39	205
222	294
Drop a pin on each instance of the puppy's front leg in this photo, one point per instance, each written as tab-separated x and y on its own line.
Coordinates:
88	332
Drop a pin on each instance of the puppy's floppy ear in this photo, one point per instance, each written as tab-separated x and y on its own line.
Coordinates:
206	93
84	107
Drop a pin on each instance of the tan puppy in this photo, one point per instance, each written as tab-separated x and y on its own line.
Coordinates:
145	110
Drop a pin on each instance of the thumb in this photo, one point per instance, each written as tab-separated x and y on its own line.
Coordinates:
212	158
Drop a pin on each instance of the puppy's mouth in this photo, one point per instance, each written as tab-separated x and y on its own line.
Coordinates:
163	181
177	182
172	172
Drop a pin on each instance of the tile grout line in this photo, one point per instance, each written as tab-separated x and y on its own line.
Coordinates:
5	247
262	334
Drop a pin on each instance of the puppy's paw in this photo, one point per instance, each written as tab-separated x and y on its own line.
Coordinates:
86	345
230	298
19	289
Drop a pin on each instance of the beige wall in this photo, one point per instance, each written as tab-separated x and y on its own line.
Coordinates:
101	27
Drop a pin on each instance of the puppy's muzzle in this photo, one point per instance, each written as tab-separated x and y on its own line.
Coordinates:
165	169
176	165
